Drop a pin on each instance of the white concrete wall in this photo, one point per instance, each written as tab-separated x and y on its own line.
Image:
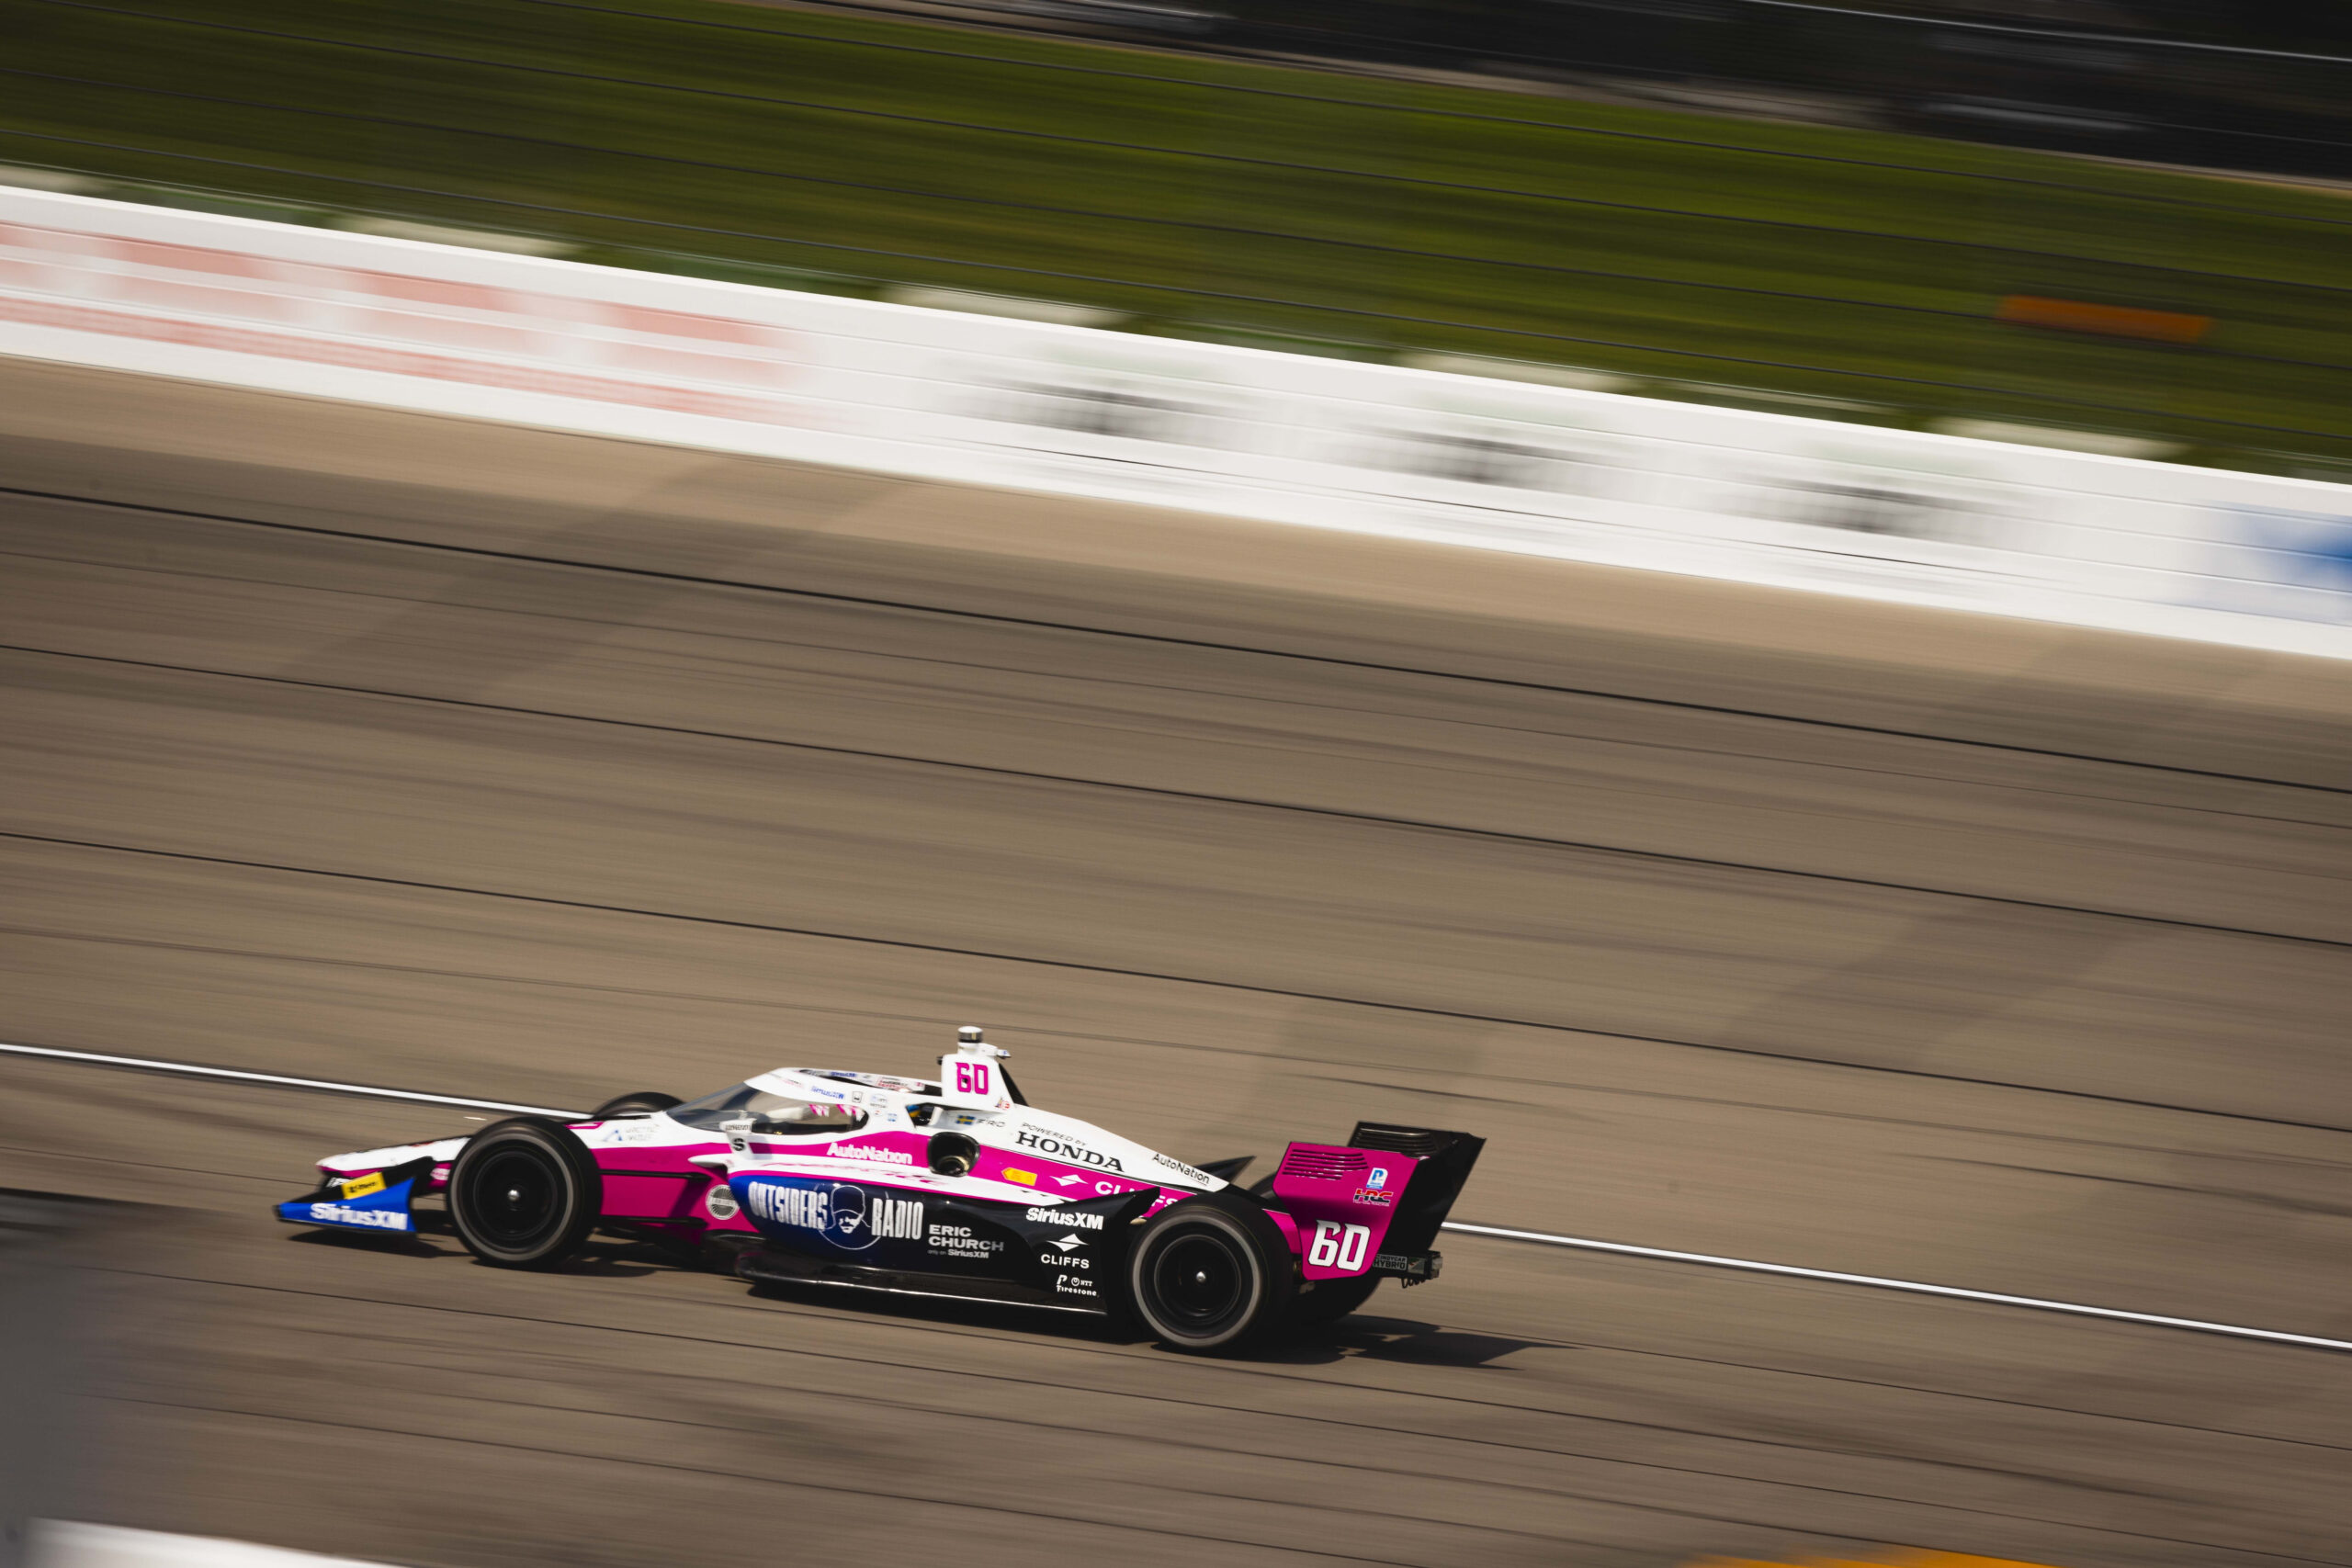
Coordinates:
1468	460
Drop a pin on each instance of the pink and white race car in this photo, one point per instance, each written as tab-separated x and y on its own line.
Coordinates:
957	1188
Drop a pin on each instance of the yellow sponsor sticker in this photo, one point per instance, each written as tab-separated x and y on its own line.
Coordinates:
363	1185
1027	1177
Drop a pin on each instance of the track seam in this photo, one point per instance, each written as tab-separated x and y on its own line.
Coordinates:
1275	1415
1080	628
1336	813
1076	967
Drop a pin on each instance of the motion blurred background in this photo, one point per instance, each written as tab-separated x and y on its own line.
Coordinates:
2080	216
481	760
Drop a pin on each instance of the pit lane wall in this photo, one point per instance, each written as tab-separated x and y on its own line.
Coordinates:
983	399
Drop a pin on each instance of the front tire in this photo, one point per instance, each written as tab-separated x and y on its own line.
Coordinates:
524	1193
1209	1276
642	1102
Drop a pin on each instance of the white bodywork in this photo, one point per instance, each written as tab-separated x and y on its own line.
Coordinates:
1063	1159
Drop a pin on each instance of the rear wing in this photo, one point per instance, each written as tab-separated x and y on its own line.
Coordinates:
1445	1159
1373	1205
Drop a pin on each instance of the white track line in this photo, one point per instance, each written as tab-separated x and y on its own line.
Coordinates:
1585	1244
189	1069
1912	1286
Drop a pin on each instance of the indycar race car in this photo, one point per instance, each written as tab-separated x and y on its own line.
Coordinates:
957	1188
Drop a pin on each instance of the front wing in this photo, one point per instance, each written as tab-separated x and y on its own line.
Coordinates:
379	1202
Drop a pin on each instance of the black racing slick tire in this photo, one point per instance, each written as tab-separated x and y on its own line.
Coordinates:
1210	1274
524	1193
638	1104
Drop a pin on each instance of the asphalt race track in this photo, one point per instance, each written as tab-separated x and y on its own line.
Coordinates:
504	763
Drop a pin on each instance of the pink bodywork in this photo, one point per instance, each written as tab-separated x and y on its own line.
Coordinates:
657	1184
1343	1197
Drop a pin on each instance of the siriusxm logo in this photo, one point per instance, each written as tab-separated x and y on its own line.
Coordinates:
1056	1217
344	1215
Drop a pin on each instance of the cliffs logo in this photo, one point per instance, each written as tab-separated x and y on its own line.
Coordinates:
1059	1148
849	1217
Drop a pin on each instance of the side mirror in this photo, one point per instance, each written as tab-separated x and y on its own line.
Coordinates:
952	1154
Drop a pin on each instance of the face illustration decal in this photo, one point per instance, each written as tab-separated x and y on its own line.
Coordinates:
846	1218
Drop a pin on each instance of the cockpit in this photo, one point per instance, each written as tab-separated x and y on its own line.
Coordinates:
772	1114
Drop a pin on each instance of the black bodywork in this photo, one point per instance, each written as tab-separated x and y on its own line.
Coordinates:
1069	1257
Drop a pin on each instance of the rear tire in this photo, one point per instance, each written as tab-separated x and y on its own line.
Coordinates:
638	1104
524	1193
1207	1275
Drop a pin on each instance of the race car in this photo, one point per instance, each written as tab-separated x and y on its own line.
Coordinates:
957	1188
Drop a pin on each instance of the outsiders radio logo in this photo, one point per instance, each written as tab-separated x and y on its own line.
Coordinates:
850	1217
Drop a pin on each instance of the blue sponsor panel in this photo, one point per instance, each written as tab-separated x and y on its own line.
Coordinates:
1059	1253
2265	561
361	1203
848	1220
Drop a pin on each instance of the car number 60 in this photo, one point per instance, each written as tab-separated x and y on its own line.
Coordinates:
1339	1246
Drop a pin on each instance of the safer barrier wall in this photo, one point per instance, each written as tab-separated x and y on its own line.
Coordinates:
1465	460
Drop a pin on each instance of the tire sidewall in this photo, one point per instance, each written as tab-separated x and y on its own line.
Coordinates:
580	1189
1254	1238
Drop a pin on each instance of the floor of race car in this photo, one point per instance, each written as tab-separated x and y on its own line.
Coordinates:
2020	1001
